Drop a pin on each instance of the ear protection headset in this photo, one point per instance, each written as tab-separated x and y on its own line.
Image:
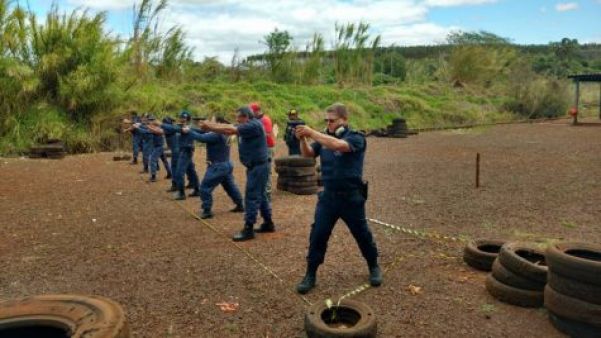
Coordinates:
338	132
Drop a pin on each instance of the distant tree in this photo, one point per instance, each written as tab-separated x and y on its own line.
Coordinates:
476	38
278	45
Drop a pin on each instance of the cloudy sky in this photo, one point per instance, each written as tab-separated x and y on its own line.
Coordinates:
217	27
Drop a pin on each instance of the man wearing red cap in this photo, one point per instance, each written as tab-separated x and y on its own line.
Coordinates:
268	126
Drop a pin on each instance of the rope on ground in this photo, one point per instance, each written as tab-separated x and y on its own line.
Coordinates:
420	234
244	250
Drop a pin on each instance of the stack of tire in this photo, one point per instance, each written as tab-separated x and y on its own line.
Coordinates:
519	275
53	149
398	128
296	175
573	294
123	157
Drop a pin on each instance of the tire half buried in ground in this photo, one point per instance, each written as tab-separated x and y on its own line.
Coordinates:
63	316
349	319
481	253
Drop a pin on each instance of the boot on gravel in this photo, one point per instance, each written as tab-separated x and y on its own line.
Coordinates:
267	226
308	281
179	195
238	208
246	233
375	275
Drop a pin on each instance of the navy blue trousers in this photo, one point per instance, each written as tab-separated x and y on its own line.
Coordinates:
156	154
219	173
136	145
146	152
185	165
350	207
255	196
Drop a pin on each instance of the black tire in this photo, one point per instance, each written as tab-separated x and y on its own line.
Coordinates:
398	120
574	288
295	161
318	322
295	171
56	155
126	157
310	178
572	308
524	260
303	191
514	296
73	316
36	155
301	184
579	261
282	187
398	135
116	158
53	148
573	328
481	253
505	276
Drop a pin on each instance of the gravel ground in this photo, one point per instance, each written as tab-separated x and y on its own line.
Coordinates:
89	225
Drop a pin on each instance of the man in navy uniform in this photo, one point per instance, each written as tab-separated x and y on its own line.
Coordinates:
220	170
252	148
290	137
146	138
157	150
185	162
136	137
342	152
172	139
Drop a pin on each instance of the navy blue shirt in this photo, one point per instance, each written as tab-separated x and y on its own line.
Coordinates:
146	135
252	143
290	136
185	140
172	139
218	149
342	171
136	119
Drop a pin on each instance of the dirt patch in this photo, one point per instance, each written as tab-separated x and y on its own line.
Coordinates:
89	225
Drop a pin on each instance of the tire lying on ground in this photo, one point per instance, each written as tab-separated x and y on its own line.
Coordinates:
295	161
512	295
578	261
506	276
295	171
303	191
574	288
573	328
481	253
524	260
349	319
63	316
572	308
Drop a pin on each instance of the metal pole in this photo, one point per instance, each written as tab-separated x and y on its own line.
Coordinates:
477	170
600	101
575	121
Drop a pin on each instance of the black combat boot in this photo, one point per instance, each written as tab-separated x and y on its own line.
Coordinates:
238	208
153	178
267	226
206	214
308	281
195	193
135	161
246	233
190	185
172	189
168	176
180	195
375	275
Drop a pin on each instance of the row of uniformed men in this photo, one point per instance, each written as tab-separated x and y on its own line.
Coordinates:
341	151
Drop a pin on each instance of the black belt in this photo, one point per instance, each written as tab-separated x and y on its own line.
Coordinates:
256	163
210	163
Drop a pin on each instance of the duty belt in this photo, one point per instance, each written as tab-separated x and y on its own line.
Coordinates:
210	163
253	164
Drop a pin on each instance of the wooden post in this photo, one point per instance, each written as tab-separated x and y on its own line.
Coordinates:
576	100
477	170
600	101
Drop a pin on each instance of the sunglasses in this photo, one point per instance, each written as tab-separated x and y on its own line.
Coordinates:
330	120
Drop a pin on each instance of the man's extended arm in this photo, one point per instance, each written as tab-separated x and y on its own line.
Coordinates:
221	128
330	142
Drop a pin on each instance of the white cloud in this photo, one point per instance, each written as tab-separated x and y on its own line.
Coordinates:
449	3
217	27
567	6
103	5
